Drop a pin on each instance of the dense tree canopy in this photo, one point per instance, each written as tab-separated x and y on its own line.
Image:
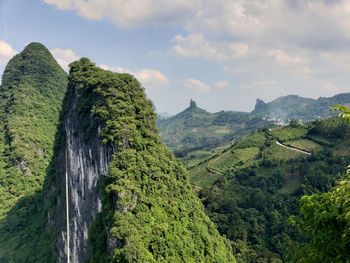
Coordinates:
152	211
325	222
31	95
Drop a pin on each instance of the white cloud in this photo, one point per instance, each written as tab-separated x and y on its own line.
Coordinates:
64	56
222	85
6	52
192	46
196	85
148	77
299	63
308	39
195	45
329	88
151	77
116	69
295	22
303	44
285	59
131	13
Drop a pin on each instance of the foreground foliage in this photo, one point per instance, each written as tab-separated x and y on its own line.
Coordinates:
325	222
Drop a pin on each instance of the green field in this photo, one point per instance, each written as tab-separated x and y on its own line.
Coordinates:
196	157
279	153
253	140
232	159
304	144
201	177
288	133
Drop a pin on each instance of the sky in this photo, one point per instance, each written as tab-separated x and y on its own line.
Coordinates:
224	54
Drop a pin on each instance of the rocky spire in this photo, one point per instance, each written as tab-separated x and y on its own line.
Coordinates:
259	104
193	104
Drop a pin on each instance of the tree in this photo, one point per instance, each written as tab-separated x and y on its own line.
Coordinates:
325	222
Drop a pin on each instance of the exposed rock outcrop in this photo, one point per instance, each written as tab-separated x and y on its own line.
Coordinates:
85	160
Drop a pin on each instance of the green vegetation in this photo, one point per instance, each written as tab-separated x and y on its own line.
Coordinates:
198	156
295	107
305	144
260	184
150	213
324	220
151	210
32	91
194	133
325	223
256	139
288	133
240	157
195	129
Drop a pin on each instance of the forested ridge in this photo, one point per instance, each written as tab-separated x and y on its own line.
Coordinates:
32	91
149	204
149	209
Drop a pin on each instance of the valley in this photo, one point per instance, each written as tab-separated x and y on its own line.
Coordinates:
252	186
194	134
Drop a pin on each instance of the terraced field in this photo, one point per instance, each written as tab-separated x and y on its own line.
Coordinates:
305	145
235	158
288	133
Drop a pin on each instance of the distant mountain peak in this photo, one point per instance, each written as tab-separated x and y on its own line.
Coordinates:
259	104
35	45
193	104
34	49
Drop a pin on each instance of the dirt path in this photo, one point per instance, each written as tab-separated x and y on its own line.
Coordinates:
292	148
211	170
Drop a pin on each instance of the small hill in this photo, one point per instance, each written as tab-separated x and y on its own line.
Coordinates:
251	188
295	107
196	129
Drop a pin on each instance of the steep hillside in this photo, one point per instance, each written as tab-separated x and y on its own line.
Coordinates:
33	87
295	107
129	199
251	188
99	160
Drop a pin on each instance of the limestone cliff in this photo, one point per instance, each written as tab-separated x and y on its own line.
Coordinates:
83	160
129	199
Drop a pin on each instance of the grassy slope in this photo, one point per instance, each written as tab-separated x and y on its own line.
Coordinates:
32	91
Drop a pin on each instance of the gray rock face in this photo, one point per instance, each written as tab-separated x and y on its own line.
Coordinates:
260	104
193	104
83	160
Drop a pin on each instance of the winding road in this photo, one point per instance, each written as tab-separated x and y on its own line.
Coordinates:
292	148
211	170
